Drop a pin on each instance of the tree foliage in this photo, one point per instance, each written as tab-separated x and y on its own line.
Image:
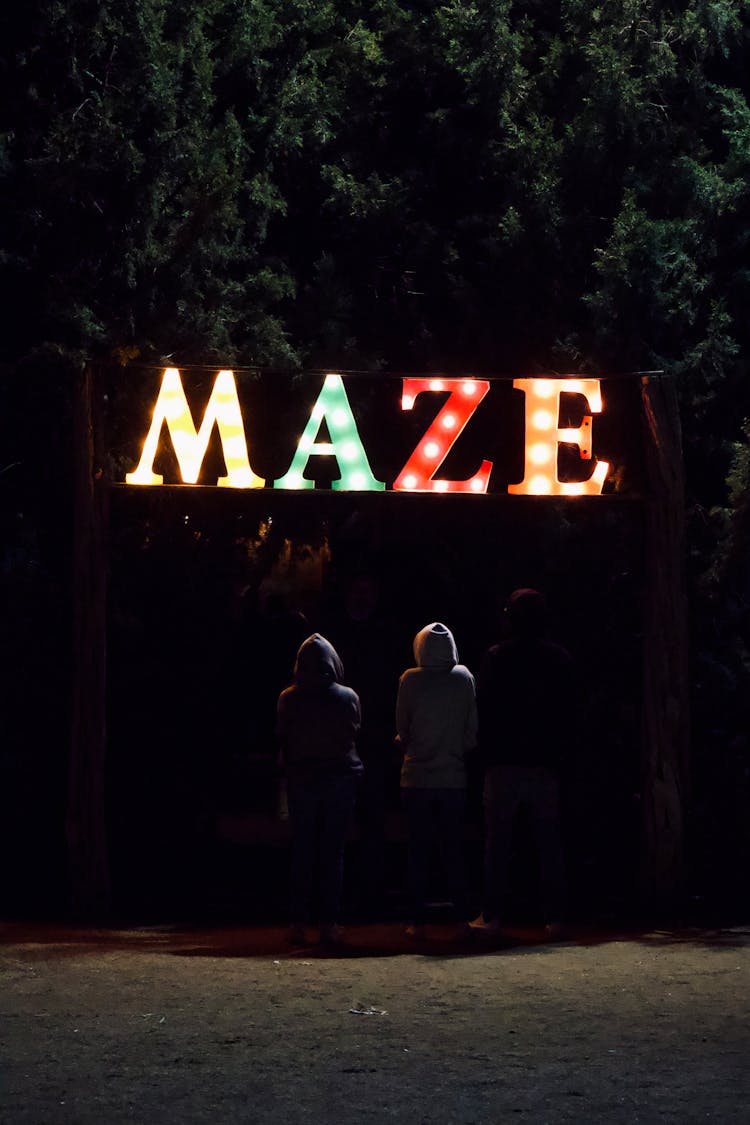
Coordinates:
136	185
486	185
491	186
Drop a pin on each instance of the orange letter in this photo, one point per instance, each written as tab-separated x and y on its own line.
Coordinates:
543	436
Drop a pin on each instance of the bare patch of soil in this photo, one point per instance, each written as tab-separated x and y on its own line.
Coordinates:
232	1026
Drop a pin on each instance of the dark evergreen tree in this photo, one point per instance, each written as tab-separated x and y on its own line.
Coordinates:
135	180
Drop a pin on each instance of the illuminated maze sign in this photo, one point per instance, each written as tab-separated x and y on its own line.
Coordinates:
453	403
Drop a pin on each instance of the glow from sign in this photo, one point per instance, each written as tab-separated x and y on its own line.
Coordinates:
543	435
332	406
190	445
418	473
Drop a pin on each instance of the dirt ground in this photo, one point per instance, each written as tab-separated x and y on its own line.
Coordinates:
232	1026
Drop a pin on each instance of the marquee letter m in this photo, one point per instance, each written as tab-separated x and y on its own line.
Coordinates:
190	445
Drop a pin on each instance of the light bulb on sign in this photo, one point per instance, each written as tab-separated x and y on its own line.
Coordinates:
540	485
542	420
540	453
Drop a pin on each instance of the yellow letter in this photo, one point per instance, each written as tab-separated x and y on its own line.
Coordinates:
190	446
543	435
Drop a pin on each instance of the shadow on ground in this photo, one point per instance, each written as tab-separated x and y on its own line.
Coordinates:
375	940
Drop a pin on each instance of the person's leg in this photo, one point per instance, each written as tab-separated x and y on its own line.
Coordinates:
501	800
544	805
450	819
303	819
337	804
417	808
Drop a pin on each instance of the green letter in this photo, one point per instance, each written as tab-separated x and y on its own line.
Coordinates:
345	445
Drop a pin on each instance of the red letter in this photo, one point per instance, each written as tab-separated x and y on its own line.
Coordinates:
417	474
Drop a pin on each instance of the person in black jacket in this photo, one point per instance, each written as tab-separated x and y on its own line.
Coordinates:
525	700
318	719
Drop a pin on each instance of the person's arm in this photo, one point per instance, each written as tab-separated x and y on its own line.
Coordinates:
570	702
472	726
487	708
281	726
357	713
403	714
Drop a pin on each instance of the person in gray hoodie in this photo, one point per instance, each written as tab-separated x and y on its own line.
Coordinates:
436	721
318	719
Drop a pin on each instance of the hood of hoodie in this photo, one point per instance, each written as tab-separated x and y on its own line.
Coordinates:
317	664
434	647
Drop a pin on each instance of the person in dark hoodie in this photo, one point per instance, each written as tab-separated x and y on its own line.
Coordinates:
526	692
436	720
318	719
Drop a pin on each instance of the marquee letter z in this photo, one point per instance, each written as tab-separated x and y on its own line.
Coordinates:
418	473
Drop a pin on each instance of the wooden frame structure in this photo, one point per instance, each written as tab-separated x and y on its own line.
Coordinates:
665	771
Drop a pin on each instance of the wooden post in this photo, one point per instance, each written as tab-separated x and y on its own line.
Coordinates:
665	755
85	821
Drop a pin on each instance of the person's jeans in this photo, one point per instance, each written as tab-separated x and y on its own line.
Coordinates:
435	821
506	788
319	814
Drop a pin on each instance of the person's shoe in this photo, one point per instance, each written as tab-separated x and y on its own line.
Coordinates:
416	930
297	935
491	928
331	935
